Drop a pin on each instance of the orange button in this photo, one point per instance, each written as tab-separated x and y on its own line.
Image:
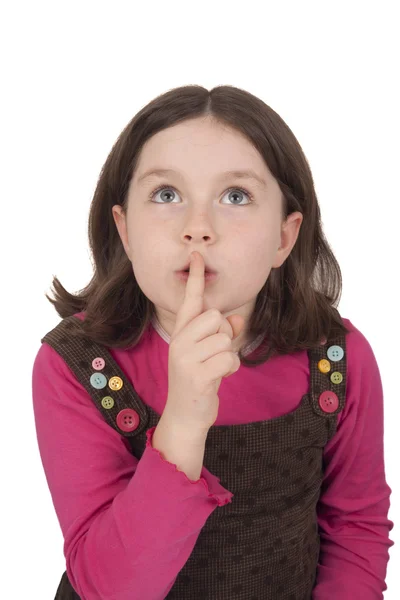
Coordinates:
324	365
115	383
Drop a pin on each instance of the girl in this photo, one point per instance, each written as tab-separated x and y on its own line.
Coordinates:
167	481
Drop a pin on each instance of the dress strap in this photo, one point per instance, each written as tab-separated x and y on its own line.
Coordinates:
328	376
103	379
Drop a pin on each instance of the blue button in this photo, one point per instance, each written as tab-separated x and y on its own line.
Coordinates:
335	353
98	381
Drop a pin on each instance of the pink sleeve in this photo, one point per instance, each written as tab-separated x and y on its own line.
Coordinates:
129	526
354	503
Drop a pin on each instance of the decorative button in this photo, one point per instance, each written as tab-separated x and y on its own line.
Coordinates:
336	377
98	381
324	365
98	363
323	341
107	402
328	401
335	353
128	419
115	383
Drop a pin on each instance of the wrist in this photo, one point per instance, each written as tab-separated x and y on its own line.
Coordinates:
195	436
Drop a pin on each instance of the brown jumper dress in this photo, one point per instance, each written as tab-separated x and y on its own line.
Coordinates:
264	544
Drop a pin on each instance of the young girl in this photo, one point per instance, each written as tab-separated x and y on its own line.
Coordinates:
210	427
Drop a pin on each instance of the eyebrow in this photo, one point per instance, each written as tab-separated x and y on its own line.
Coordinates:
248	174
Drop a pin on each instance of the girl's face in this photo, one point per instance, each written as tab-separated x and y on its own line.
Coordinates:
234	222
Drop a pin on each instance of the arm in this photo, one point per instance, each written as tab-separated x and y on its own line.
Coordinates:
354	502
129	526
185	450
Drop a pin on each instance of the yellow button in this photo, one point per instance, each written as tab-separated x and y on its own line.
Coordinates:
115	383
107	402
324	365
336	377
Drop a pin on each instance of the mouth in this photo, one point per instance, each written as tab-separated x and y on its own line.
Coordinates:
207	270
208	276
207	273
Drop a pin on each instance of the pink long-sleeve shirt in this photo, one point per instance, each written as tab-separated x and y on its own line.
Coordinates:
129	526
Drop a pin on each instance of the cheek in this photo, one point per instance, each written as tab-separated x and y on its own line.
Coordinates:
147	242
148	280
257	254
151	263
258	245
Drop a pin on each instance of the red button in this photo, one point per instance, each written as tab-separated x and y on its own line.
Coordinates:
323	341
328	401
128	419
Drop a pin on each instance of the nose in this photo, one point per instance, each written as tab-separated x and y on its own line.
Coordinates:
198	231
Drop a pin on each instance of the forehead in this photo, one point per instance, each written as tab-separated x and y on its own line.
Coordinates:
201	144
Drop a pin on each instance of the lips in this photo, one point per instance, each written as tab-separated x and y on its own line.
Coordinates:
185	269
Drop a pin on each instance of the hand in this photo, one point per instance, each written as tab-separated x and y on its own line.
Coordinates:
200	354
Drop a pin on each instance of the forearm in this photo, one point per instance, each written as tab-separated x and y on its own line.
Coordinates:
183	448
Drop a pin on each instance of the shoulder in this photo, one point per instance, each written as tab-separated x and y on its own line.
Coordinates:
359	348
364	390
48	362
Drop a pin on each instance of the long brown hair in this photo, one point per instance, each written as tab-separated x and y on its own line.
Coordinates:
296	306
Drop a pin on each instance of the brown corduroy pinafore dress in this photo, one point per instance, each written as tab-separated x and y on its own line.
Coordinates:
264	544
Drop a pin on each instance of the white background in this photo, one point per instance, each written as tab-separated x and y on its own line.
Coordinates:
73	75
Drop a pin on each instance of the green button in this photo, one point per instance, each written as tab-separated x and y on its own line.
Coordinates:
107	402
336	377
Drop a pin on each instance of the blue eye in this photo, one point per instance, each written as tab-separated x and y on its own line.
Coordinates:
169	187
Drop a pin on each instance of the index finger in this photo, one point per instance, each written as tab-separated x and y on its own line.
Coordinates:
192	304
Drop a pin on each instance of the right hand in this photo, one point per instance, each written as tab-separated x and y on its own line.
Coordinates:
200	354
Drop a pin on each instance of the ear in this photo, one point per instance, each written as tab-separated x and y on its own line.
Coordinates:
289	234
120	222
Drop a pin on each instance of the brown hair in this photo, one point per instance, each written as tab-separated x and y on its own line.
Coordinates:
295	307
